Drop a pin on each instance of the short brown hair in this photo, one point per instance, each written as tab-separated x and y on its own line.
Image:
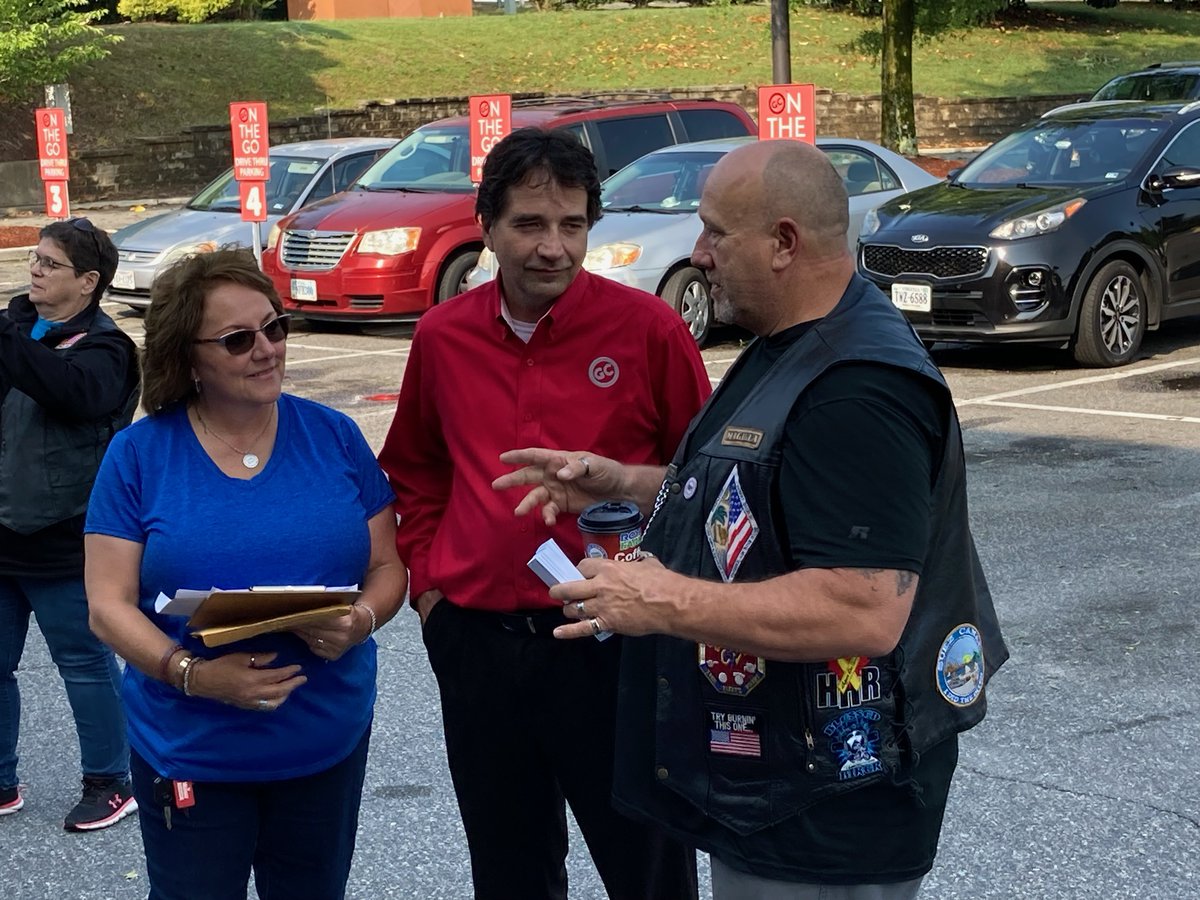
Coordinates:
176	313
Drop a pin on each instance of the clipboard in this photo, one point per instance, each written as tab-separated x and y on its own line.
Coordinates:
227	616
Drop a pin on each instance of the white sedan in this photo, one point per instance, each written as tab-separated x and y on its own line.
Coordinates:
650	224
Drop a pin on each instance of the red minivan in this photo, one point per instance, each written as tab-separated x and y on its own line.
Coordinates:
404	236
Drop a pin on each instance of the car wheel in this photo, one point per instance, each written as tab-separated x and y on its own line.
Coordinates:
454	277
687	292
1112	319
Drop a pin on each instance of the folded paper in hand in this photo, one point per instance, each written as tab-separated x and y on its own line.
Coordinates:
551	565
220	617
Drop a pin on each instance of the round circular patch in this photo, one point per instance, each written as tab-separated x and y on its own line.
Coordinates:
604	371
959	672
689	489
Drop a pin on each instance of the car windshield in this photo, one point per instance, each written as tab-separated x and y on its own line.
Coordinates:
289	176
1057	152
429	159
1162	87
660	182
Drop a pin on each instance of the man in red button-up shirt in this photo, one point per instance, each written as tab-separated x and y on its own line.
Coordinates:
545	356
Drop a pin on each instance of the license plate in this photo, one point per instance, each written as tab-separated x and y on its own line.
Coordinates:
304	290
123	281
912	297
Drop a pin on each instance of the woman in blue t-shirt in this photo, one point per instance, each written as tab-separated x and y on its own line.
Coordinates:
248	756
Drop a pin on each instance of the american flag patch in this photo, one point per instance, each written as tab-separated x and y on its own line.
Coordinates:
734	733
730	527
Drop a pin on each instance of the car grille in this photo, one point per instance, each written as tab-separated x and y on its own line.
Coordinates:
889	261
313	249
137	256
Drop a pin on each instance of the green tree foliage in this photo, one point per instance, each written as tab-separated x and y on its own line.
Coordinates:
192	11
43	42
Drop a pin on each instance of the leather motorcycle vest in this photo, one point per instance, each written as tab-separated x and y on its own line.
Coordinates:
744	742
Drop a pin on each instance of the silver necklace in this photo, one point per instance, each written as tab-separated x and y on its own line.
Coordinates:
249	460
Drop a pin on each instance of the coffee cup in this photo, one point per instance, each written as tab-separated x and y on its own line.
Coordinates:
611	529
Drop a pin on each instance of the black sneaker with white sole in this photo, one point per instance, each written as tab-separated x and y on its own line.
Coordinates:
105	802
11	800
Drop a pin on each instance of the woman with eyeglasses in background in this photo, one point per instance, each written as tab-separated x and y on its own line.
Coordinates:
68	382
249	757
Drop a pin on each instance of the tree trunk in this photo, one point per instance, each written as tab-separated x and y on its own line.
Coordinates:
899	126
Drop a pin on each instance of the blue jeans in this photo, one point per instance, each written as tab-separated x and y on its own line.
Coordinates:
297	835
88	669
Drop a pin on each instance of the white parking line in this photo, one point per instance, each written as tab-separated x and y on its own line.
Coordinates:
1117	414
348	355
1075	382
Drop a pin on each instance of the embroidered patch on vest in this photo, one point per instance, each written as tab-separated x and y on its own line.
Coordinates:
731	672
735	733
71	341
854	743
849	682
730	527
959	671
742	437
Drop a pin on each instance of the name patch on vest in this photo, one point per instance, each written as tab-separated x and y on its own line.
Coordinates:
850	682
854	743
959	670
735	733
731	672
71	341
730	527
742	437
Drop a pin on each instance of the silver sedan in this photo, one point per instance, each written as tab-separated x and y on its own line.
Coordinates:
650	224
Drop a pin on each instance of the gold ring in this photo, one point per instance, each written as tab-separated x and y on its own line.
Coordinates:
595	623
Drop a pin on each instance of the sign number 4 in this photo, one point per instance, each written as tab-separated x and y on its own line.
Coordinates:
254	201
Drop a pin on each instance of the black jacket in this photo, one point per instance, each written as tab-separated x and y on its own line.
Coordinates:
61	399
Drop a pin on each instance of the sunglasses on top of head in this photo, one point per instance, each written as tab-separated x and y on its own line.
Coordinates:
240	341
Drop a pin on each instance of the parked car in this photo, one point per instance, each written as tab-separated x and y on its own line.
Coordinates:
405	237
1162	82
1080	229
300	174
650	222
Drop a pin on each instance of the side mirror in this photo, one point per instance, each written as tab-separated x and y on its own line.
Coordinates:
1175	177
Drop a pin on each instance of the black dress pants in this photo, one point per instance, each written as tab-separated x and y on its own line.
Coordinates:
529	724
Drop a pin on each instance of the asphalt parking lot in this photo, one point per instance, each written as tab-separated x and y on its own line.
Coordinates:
1082	782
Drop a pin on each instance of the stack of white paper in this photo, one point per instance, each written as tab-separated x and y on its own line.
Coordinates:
551	565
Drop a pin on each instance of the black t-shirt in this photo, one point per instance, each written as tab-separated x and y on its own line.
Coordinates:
860	456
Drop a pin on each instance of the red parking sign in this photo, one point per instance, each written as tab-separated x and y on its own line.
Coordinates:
787	112
58	203
51	126
491	120
253	196
248	122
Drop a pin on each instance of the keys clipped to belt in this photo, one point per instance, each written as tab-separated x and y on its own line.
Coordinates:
172	795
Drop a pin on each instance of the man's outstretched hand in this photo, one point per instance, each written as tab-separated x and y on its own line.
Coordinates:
563	481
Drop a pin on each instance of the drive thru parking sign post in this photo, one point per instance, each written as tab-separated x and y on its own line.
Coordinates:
787	112
251	164
53	166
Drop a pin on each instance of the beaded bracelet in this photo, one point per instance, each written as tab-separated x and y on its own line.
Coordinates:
163	673
374	622
192	663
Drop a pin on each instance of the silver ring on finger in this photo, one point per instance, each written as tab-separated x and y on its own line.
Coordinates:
264	705
595	623
587	466
579	608
320	640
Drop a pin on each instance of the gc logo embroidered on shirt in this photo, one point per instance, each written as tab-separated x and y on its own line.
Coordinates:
603	371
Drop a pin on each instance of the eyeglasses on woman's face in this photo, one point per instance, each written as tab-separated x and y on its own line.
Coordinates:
48	263
240	341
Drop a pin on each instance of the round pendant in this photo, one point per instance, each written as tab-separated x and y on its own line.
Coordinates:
250	461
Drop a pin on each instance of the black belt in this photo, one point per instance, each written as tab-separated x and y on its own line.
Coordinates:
537	622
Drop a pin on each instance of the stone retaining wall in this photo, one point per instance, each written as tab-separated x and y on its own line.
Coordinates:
180	164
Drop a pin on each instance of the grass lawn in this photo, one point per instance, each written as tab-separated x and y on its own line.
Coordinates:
162	77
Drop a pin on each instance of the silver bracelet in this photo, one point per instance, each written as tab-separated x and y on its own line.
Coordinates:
188	665
374	622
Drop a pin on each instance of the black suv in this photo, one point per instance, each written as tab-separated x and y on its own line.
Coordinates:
1163	82
1080	229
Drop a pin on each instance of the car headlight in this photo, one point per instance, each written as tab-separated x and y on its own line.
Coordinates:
870	224
181	250
273	236
612	256
390	241
1041	222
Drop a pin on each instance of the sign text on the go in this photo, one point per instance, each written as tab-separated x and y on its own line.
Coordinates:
51	126
787	112
248	122
491	120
